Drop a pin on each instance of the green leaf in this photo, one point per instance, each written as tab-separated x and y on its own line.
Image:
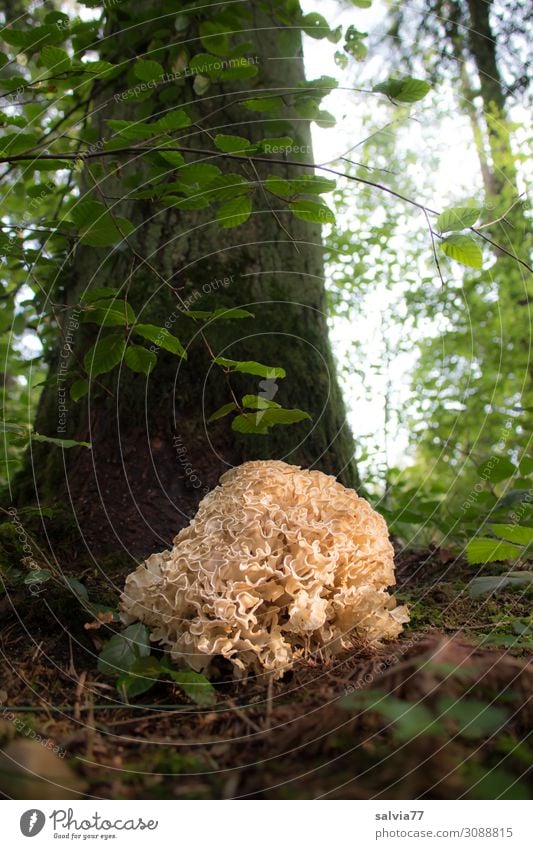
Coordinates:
354	45
310	210
474	718
315	25
161	337
231	144
255	402
278	186
264	104
104	355
79	589
220	313
251	367
54	380
412	90
464	249
278	415
492	583
31	39
228	185
14	143
143	674
56	165
526	465
79	388
201	174
500	470
173	157
140	359
147	70
61	443
12	120
223	411
514	498
325	119
362	4
523	628
101	69
38	576
234	212
195	686
112	313
175	120
206	65
12	83
408	719
56	59
486	550
185	203
260	421
276	145
406	90
122	650
214	38
457	218
312	185
514	533
240	69
39	191
130	131
97	293
96	226
248	423
231	313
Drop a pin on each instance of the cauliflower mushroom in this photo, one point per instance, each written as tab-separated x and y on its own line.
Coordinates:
278	562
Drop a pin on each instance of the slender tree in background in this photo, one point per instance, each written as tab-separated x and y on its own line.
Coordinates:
477	374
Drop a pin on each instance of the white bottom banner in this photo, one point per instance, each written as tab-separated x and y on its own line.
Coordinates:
262	824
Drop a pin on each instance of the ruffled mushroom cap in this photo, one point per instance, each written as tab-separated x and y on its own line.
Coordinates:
277	563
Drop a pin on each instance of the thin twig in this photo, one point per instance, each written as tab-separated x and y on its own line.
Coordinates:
503	250
273	211
255	158
434	249
502	217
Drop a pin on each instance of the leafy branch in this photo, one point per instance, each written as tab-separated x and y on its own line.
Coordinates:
253	157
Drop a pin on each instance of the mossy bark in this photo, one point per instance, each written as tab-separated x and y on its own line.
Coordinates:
154	454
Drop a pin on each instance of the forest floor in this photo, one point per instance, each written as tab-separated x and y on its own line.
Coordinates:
442	712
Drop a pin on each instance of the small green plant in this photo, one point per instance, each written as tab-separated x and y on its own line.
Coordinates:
127	655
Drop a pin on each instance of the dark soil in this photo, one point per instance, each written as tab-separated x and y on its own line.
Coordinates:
313	734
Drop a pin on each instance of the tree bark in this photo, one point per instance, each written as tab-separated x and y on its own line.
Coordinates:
154	454
482	47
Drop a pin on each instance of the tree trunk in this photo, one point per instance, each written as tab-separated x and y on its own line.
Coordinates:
154	453
513	229
482	46
455	29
